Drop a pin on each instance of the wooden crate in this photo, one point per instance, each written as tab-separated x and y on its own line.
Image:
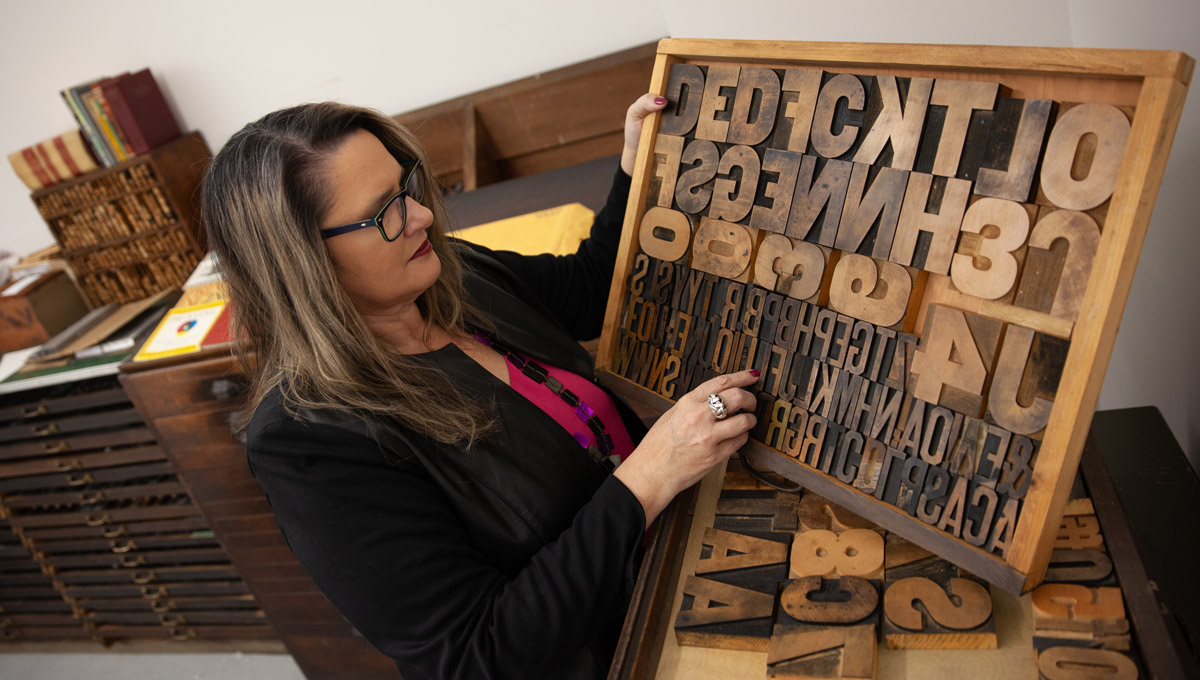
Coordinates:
995	308
134	229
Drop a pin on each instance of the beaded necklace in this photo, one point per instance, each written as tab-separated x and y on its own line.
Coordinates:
601	446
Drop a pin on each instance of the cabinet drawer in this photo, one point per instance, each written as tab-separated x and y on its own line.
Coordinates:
49	405
83	443
156	576
107	517
184	389
187	524
158	591
84	478
126	543
85	461
137	559
90	495
70	425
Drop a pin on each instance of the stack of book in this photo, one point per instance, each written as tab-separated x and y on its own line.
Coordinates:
122	117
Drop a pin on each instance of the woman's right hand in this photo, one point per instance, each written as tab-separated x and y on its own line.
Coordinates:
688	441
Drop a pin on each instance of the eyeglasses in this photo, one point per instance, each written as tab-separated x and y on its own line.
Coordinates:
390	222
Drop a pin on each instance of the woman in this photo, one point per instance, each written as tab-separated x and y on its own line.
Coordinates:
453	501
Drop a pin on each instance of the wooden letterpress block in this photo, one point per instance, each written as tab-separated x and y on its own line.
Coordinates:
818	616
991	248
1025	380
754	107
693	187
1079	532
816	512
780	170
950	365
791	267
729	601
723	249
736	184
723	616
954	610
956	614
1058	263
1083	156
1075	615
753	511
1073	663
893	118
720	87
839	114
685	89
738	479
854	552
874	197
797	103
955	107
1090	568
842	652
929	223
1014	147
664	234
876	291
819	199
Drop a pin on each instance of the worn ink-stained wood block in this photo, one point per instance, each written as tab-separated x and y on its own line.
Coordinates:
1001	118
854	552
1061	249
1079	532
816	512
1092	568
1083	155
724	616
1073	663
841	652
1025	380
756	510
1014	149
920	613
1078	616
950	366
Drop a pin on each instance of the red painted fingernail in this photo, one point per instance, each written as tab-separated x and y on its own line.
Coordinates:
660	100
754	372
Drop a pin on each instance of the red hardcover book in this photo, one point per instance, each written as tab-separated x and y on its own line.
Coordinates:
101	90
141	111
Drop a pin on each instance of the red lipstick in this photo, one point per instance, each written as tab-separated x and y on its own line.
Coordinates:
423	250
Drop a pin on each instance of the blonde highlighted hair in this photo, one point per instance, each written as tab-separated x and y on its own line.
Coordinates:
264	201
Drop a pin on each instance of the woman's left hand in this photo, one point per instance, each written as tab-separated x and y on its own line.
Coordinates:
641	107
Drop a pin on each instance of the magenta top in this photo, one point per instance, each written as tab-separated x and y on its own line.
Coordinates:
589	396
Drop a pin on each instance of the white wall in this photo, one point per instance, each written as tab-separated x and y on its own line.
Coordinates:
225	62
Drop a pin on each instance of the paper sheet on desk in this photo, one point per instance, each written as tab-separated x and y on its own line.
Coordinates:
12	362
557	230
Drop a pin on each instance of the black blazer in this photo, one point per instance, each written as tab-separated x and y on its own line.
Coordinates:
514	559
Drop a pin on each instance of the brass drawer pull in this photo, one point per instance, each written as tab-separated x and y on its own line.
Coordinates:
131	561
85	478
153	593
114	533
172	620
47	429
123	548
162	606
143	577
97	497
63	465
34	411
97	521
188	634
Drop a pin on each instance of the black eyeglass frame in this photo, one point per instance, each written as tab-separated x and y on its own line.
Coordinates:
412	166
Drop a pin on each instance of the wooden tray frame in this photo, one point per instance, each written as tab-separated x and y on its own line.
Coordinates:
1153	83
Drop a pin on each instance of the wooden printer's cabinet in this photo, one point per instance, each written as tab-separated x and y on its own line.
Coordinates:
189	408
98	538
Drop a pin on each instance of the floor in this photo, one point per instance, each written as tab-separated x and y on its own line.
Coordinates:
125	666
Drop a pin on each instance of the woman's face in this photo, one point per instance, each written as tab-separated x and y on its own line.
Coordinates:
380	277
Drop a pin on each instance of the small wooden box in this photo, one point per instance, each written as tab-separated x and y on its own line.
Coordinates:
33	311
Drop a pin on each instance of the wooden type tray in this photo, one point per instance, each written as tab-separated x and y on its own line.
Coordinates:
988	339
